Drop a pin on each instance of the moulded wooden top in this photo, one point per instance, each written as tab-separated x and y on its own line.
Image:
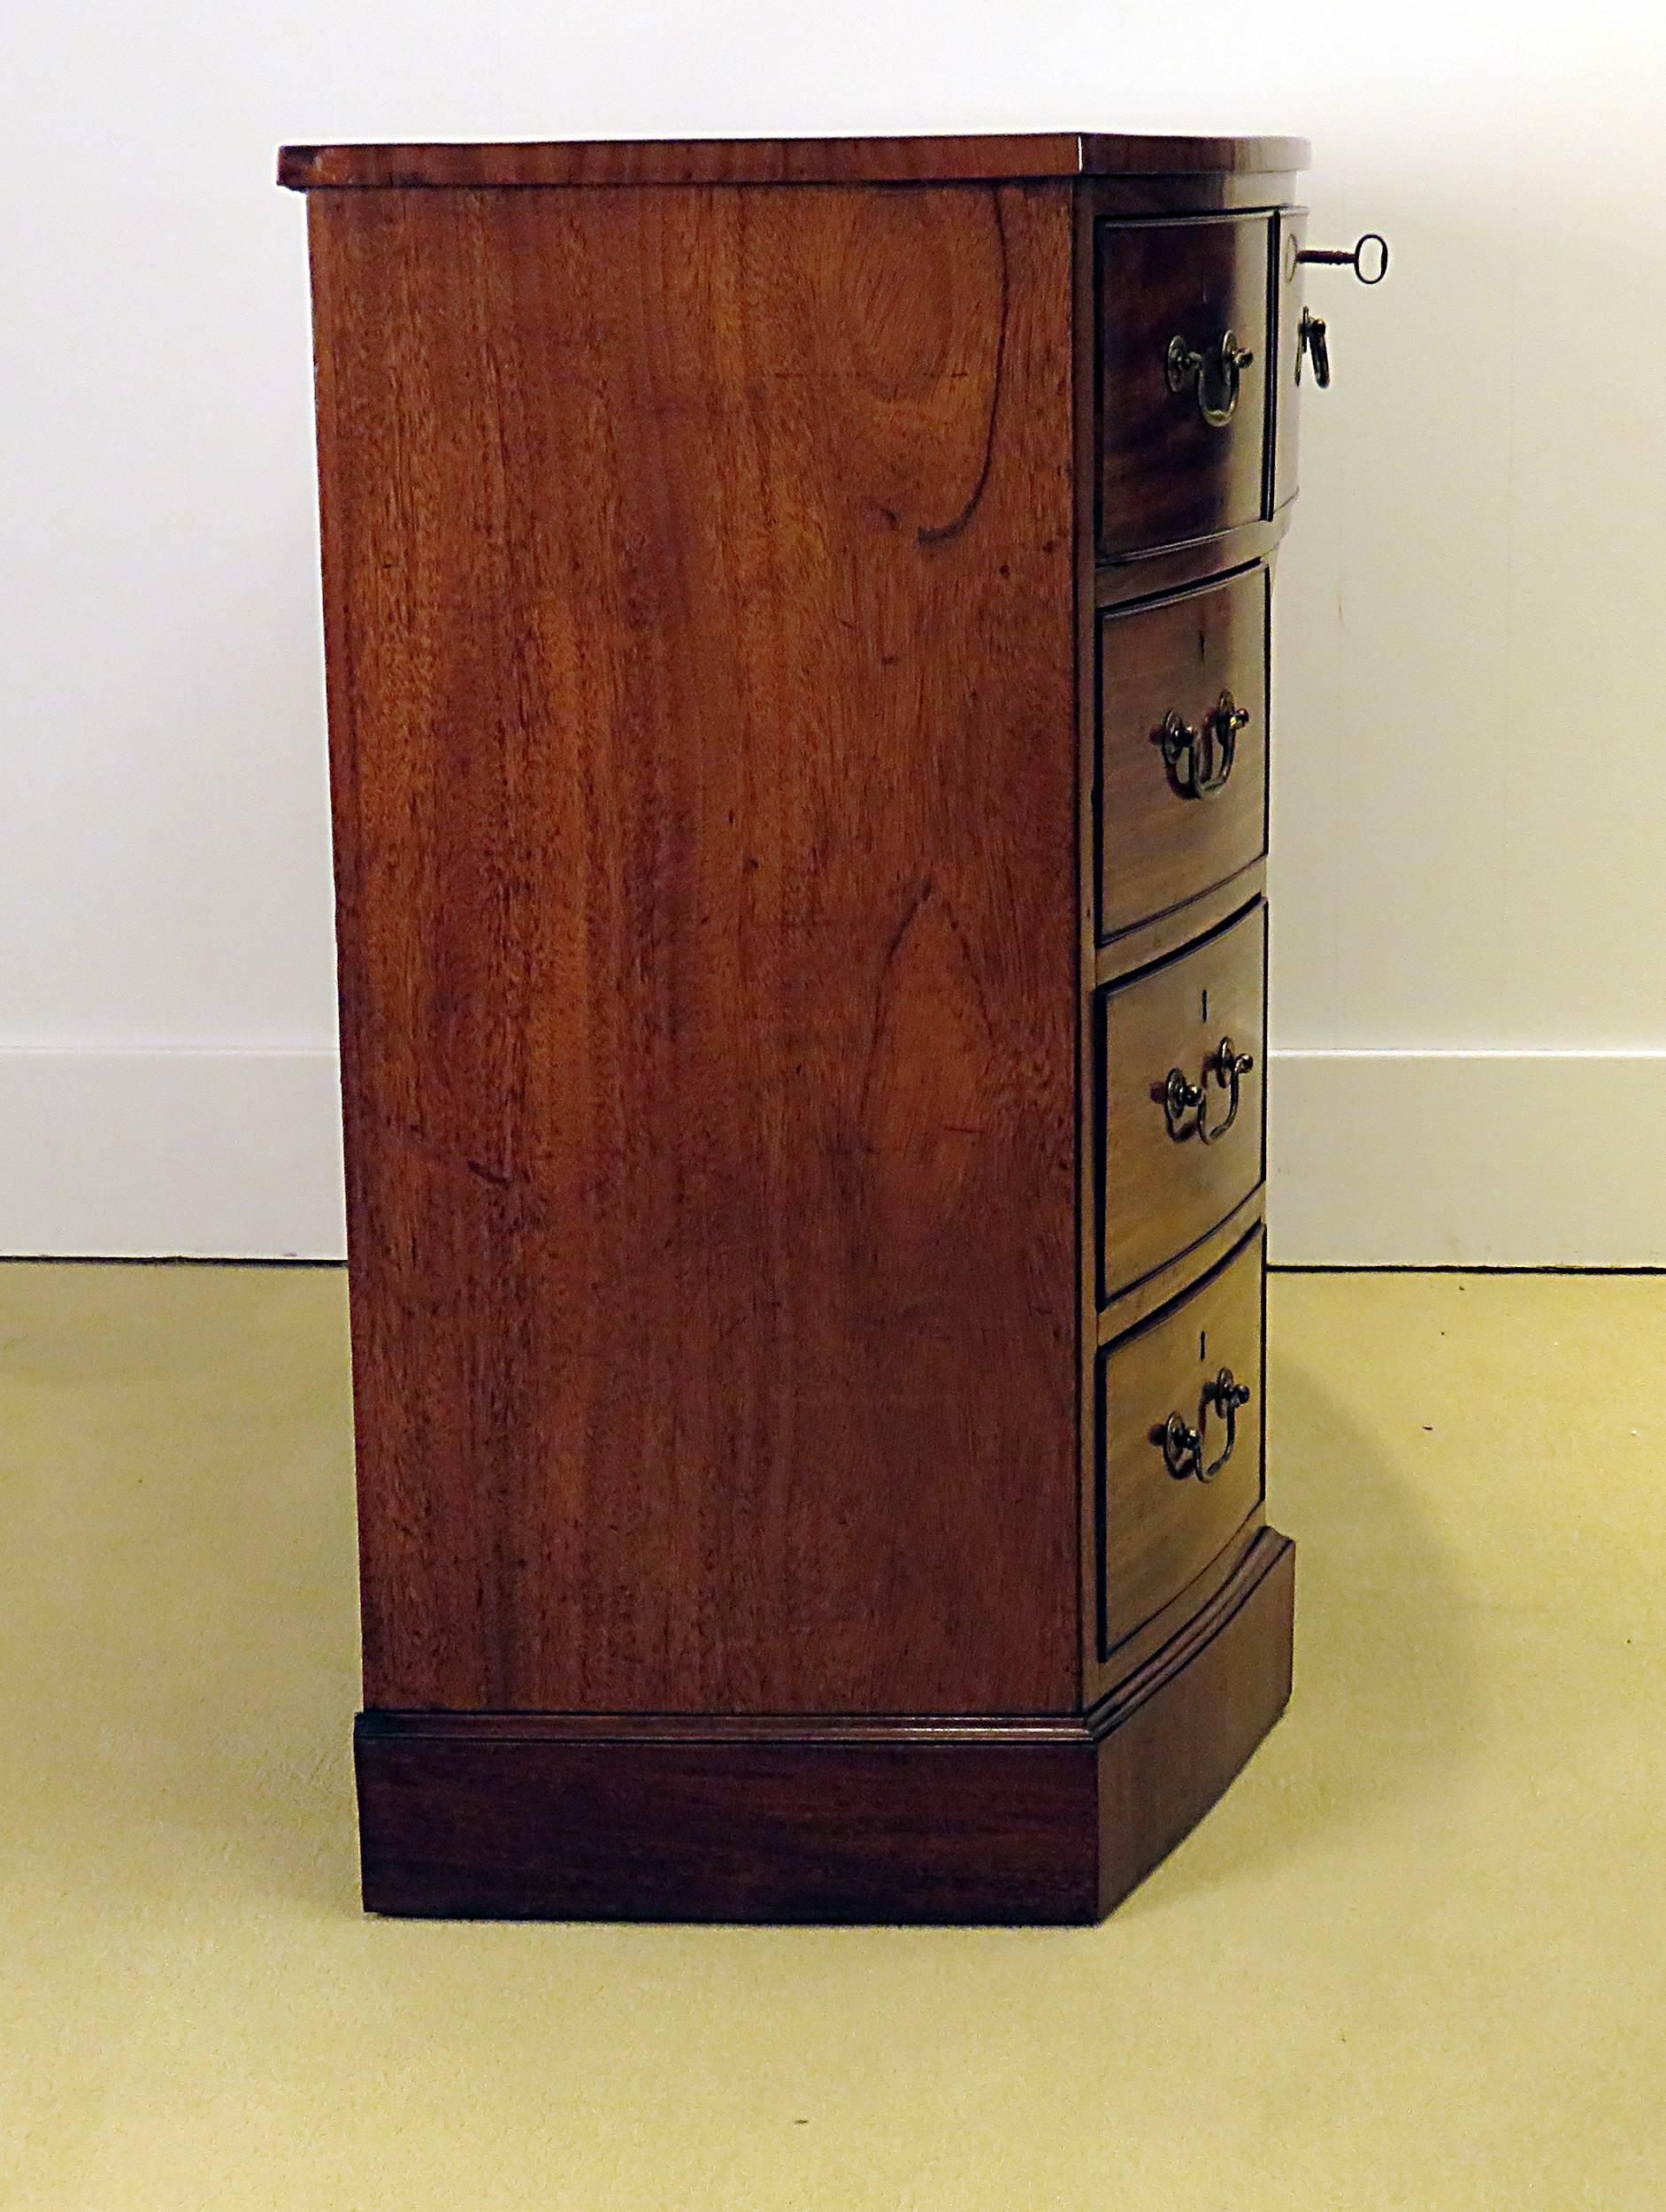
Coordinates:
786	160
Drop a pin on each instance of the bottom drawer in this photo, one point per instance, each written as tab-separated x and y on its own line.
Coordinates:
1179	1442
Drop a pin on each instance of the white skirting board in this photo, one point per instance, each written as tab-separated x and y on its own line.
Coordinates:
1467	1159
175	1154
1379	1159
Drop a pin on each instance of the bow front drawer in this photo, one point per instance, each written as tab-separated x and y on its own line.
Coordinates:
1182	785
1183	375
1181	1077
1179	1445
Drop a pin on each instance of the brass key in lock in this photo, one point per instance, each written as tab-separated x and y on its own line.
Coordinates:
1353	257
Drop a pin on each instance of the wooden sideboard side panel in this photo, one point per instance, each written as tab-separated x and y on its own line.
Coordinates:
700	596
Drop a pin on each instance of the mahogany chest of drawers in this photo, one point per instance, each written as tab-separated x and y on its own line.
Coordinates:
797	623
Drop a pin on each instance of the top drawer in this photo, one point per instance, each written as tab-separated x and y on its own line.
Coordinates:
1183	378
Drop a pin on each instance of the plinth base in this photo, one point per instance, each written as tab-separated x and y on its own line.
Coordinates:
627	1816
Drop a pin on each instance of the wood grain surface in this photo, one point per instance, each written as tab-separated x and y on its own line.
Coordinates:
1290	295
1166	476
1145	945
1166	1283
1175	568
1161	1193
1172	1754
699	598
1011	156
805	1829
1157	847
1156	1532
908	1820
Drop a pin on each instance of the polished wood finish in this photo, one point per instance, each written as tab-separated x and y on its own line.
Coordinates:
1222	192
801	1827
910	1818
1164	933
1287	396
1163	1192
739	1101
1158	847
1166	475
1172	1625
995	159
1156	1532
707	1031
1150	574
1219	1687
1119	1314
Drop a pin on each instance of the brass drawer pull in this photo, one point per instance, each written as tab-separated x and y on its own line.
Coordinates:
1182	1445
1215	384
1186	1105
1311	338
1199	762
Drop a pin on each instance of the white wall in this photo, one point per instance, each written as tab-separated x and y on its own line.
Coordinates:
1469	967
